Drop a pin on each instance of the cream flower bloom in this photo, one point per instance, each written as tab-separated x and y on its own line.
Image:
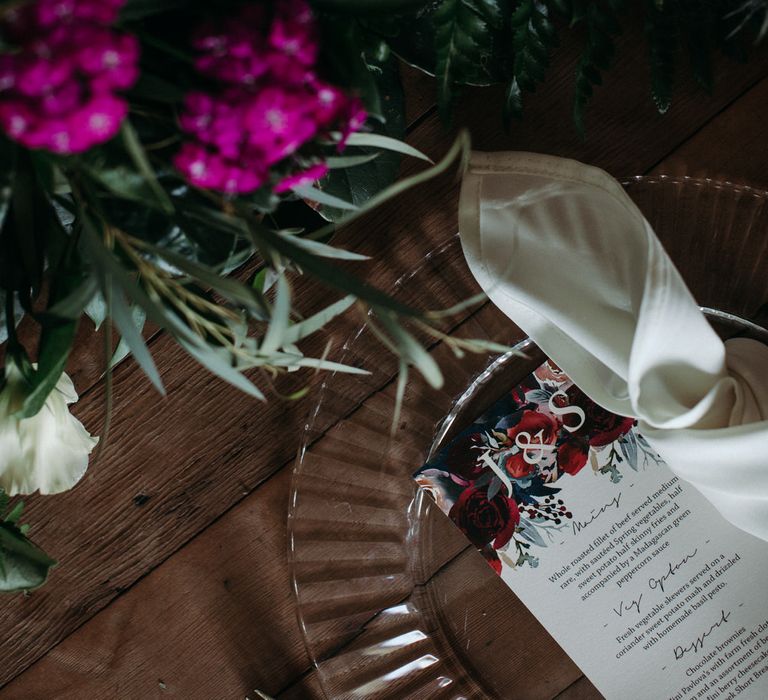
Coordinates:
47	452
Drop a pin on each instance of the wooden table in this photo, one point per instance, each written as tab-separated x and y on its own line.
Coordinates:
173	581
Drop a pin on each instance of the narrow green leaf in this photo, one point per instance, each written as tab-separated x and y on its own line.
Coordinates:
217	365
299	331
140	160
410	349
56	342
227	286
273	339
381	141
316	195
15	514
121	315
336	162
122	350
323	250
96	309
23	565
317	363
72	305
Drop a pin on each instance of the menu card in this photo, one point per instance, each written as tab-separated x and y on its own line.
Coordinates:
648	589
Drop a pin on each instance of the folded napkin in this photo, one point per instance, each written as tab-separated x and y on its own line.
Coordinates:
563	251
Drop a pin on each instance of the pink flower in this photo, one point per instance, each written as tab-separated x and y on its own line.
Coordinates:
62	101
278	122
355	116
57	91
272	103
49	13
99	120
38	76
200	167
300	179
293	38
208	170
16	119
111	61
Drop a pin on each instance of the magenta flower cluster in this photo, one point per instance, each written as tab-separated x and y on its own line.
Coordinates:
272	101
60	90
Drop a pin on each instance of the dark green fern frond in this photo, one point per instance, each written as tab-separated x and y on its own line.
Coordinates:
661	30
601	25
698	22
533	37
463	43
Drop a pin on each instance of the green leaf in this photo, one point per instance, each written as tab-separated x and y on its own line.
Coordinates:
56	342
411	350
373	170
7	172
533	37
281	314
109	167
96	309
299	331
601	27
340	162
700	24
23	565
229	287
343	52
663	40
72	305
216	363
121	314
384	142
122	350
18	314
315	195
323	250
463	44
143	166
27	230
15	513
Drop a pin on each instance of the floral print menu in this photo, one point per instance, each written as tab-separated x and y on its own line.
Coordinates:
632	571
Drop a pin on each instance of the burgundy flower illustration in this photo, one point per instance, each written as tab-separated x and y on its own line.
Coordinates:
462	456
542	429
485	521
572	455
600	427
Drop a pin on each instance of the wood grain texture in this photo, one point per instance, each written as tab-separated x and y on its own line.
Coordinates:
201	451
733	147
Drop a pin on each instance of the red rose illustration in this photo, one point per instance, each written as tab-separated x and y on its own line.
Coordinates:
532	422
572	455
600	427
485	521
461	457
517	467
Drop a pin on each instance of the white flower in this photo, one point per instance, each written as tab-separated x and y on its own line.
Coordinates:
47	452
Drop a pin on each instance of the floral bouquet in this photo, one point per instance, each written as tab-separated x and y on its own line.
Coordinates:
148	153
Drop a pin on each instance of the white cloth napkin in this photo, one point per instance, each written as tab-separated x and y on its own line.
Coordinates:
561	249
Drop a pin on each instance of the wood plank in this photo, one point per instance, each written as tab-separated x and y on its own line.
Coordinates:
185	500
582	689
732	147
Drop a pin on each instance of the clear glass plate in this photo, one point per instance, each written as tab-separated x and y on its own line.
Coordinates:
393	602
